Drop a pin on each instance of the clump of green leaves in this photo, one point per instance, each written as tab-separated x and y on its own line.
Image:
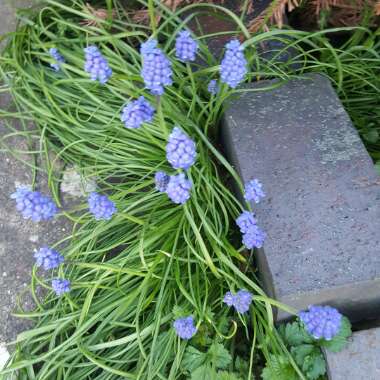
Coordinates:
306	352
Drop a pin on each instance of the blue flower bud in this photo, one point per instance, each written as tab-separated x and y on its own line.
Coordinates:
96	65
213	87
185	327
137	112
180	150
156	68
57	57
185	47
254	191
100	206
234	65
241	301
254	237
48	258
60	286
161	180
322	321
34	205
178	189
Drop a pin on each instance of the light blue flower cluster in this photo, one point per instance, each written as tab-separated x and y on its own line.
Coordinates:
57	57
185	47
213	87
253	236
178	188
185	327
96	65
180	150
100	206
48	258
137	112
233	67
322	322
34	205
161	180
156	68
60	286
241	301
254	191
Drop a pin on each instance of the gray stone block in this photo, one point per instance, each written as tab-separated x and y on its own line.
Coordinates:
360	360
321	212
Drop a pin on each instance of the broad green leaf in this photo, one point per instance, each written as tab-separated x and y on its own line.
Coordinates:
340	340
204	372
301	352
314	365
219	356
193	358
279	368
295	334
224	375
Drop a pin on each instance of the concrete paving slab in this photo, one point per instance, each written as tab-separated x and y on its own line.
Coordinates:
360	360
321	212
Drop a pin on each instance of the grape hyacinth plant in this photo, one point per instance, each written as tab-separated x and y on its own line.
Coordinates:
252	235
137	112
60	286
161	180
213	87
233	67
253	191
48	258
185	327
57	58
245	221
185	47
180	150
322	322
241	301
34	205
156	67
96	65
101	206
178	188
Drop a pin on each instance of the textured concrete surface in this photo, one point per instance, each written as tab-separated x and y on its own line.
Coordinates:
18	237
360	360
321	212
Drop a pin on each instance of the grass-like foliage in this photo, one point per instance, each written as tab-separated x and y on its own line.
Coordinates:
154	261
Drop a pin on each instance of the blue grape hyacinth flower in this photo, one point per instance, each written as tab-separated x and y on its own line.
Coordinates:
241	301
156	68
254	237
137	112
185	327
178	188
161	180
245	220
322	322
57	57
96	65
180	150
185	47
60	286
253	191
48	258
213	87
233	67
34	205
101	206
